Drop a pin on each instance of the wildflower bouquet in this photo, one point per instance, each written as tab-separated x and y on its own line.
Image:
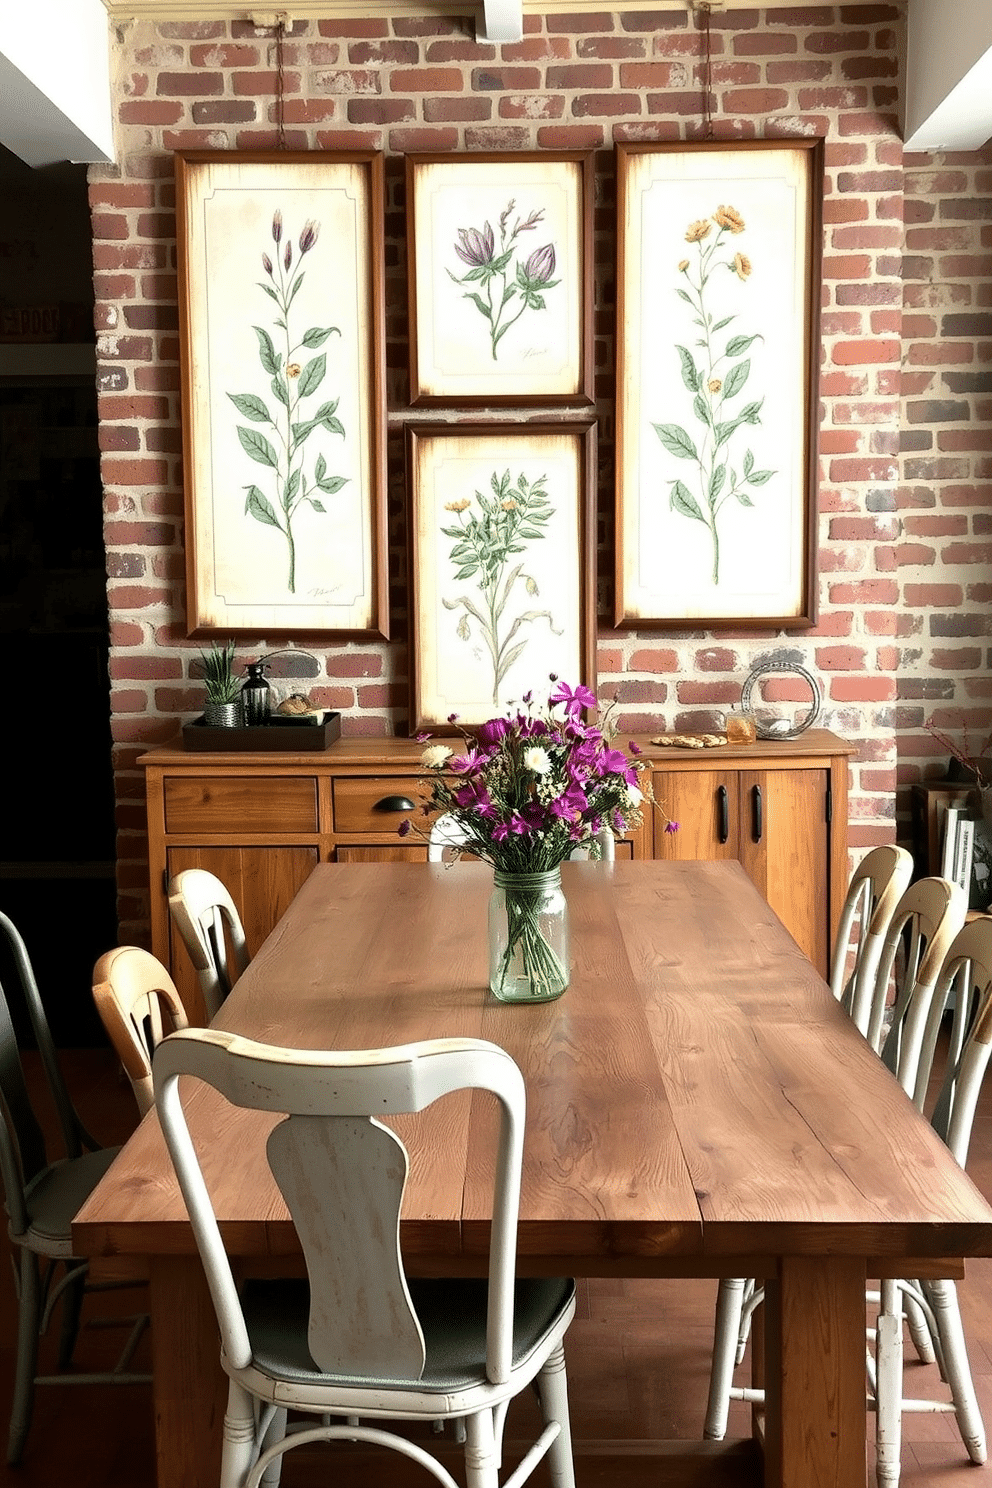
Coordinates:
525	791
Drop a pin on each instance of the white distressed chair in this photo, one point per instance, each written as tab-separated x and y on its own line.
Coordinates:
446	835
876	894
876	886
965	980
362	1341
41	1197
208	922
138	1004
926	920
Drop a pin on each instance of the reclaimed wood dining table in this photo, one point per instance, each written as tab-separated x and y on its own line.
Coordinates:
698	1105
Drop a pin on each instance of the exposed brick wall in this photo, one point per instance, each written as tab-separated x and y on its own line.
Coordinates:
574	81
945	548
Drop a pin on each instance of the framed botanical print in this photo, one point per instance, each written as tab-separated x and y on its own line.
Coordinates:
500	275
502	576
281	344
718	294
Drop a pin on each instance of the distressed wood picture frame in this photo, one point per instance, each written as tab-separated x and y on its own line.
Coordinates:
500	278
502	565
718	300
281	323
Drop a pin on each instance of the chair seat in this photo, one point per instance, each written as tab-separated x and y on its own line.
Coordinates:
55	1198
452	1315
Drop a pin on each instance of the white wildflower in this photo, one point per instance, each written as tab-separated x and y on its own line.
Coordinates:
435	755
634	796
537	760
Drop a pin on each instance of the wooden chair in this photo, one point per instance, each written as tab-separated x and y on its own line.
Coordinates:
965	980
132	990
876	886
207	920
41	1198
357	1338
926	920
927	916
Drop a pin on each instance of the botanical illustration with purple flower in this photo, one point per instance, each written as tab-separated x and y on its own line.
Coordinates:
715	373
507	286
487	542
293	377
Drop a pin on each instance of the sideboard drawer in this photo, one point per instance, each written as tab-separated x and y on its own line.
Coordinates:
264	803
375	803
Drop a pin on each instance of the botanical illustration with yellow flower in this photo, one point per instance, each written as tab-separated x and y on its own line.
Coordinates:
488	546
715	373
293	377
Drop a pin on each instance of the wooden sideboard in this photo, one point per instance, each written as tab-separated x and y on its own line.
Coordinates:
261	822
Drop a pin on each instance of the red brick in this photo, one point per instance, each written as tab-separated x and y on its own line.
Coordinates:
531	106
655	659
858	353
428	80
762	101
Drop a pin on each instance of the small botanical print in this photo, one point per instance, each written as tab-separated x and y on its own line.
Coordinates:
715	372
509	285
490	546
294	376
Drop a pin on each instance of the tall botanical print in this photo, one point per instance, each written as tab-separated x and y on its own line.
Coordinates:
718	252
279	435
716	371
493	532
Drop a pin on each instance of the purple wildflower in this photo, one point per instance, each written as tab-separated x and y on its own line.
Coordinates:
541	264
309	235
403	830
476	248
574	698
277	226
671	826
287	257
267	264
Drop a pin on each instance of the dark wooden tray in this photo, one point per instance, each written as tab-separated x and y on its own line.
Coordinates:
283	736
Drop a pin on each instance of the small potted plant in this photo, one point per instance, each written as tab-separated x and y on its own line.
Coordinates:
223	707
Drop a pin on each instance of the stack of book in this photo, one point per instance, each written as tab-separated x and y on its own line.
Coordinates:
959	847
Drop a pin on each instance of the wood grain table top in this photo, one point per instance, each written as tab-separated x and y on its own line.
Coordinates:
696	1094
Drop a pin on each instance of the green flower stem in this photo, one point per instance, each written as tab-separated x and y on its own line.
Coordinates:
542	967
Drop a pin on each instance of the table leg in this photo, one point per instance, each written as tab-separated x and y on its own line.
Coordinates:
190	1388
815	1373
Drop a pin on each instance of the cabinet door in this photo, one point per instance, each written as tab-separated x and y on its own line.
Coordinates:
380	852
785	847
262	881
704	803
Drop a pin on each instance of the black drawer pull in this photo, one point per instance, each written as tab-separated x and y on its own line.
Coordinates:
758	818
723	805
394	803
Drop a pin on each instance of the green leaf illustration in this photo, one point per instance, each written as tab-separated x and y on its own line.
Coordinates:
312	376
266	351
736	378
278	386
701	409
259	507
318	506
743	498
760	477
258	447
682	500
676	441
333	483
317	335
738	344
690	372
479	303
748	462
716	482
249	406
749	414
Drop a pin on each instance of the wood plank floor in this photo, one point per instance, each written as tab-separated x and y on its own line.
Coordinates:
638	1362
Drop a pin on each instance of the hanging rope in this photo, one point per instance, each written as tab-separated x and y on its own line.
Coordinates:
280	84
704	10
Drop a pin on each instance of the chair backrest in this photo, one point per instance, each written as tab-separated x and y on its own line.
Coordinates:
925	922
966	980
22	1143
446	832
342	1174
138	1004
207	920
607	848
877	885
